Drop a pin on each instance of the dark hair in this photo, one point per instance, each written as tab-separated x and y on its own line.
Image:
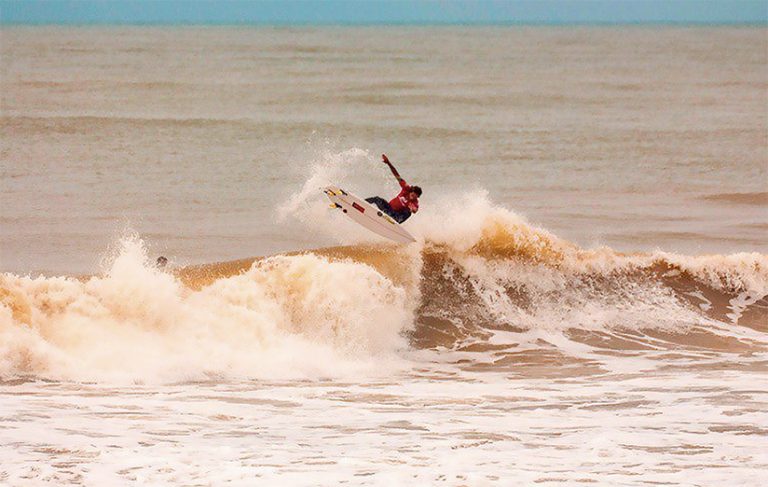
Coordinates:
416	190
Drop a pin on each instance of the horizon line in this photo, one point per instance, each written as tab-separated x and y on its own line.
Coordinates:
681	23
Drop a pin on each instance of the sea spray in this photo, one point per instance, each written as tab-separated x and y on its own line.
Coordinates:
300	316
481	278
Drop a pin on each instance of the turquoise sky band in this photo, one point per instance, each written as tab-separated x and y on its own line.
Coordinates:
378	12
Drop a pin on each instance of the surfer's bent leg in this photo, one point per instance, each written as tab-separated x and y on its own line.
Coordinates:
400	216
381	203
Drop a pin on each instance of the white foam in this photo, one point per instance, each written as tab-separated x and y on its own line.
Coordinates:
300	316
704	428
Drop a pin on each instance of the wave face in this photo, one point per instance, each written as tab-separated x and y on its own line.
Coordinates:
483	289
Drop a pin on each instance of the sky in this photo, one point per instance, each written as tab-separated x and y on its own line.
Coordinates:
282	12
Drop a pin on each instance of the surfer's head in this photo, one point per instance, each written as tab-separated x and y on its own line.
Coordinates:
417	190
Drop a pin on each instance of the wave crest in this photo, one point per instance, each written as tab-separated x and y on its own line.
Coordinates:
287	316
481	279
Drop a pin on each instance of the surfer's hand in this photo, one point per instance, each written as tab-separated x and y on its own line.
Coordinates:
384	159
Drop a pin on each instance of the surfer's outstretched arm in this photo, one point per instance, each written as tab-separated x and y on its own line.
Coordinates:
385	160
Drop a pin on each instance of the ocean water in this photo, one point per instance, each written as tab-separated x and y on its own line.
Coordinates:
587	301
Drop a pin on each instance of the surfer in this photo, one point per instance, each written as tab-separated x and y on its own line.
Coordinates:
402	206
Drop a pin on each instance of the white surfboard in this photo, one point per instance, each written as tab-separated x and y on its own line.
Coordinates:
367	215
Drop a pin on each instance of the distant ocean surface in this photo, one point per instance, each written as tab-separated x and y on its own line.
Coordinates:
586	302
635	138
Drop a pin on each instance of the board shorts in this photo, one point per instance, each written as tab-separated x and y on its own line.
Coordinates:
398	216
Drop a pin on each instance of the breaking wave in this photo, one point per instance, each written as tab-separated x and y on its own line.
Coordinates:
506	291
284	317
482	288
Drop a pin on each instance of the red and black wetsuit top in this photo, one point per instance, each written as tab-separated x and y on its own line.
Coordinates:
401	203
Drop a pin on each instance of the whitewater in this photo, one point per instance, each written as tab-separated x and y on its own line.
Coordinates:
477	355
480	278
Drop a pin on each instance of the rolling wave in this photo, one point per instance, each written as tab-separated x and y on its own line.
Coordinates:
503	292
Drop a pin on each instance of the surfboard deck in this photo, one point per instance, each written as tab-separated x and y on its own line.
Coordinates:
367	215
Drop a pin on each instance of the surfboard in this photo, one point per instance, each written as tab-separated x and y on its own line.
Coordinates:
367	215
